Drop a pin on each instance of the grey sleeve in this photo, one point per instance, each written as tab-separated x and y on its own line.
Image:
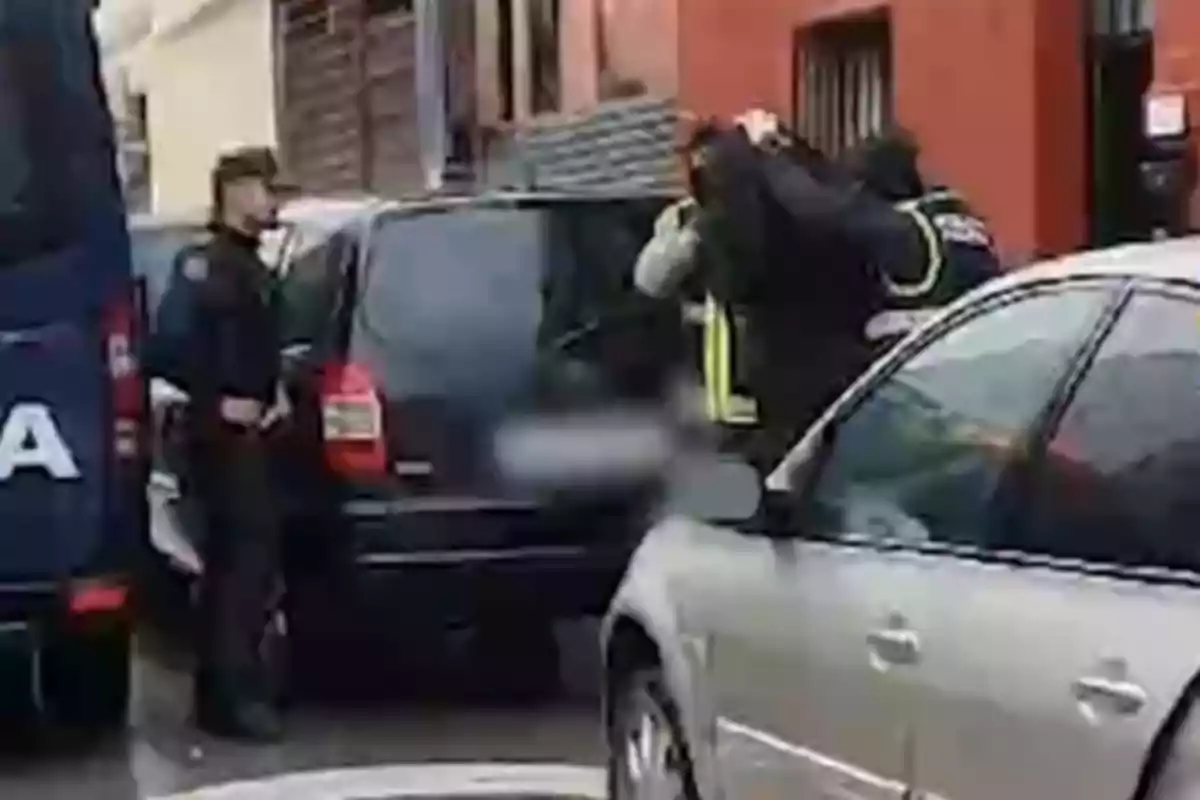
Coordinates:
666	261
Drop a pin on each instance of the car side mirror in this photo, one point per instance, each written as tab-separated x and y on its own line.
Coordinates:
798	472
714	489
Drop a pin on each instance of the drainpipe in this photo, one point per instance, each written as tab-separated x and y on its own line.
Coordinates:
430	71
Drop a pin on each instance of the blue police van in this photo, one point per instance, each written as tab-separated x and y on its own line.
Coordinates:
72	470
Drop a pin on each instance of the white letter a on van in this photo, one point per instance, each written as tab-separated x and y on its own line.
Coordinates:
30	440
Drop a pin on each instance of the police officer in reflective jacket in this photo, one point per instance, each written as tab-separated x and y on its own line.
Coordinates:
785	299
949	248
809	269
794	265
671	266
232	370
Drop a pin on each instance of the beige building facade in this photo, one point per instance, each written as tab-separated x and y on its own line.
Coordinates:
188	79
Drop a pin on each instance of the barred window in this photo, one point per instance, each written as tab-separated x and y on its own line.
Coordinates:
844	78
1122	17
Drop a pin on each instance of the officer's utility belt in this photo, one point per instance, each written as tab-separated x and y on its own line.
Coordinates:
894	323
726	401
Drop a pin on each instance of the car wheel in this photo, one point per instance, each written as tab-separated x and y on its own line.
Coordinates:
84	682
648	758
518	661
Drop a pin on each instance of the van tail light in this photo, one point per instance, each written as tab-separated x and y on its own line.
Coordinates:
352	422
125	376
96	597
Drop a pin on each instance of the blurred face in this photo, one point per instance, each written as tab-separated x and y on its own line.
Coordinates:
252	203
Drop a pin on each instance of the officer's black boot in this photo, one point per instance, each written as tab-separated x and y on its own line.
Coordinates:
222	710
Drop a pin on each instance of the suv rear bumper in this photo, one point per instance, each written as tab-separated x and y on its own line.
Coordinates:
35	619
420	566
459	585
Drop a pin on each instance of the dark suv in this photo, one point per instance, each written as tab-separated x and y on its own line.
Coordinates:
413	330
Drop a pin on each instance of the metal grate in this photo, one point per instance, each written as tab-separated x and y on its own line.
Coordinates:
846	84
1122	17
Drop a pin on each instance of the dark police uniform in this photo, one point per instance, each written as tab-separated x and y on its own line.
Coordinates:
792	297
234	353
957	254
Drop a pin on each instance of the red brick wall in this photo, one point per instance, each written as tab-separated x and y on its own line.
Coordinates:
1177	62
995	96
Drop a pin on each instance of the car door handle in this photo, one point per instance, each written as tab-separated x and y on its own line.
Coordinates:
1120	696
894	646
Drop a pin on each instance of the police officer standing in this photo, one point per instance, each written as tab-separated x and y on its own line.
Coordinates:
935	248
233	377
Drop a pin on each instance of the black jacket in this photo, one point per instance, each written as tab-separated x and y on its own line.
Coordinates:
797	257
234	336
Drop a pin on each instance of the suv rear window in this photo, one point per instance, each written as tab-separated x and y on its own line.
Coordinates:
473	301
452	301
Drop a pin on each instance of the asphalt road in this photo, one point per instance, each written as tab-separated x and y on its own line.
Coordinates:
388	750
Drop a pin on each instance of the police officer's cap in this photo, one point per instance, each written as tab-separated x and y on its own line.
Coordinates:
246	163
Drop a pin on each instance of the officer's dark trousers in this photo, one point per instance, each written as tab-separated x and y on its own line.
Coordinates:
797	392
241	568
751	443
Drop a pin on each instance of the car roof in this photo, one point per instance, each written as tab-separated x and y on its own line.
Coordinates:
1168	260
511	196
147	221
335	210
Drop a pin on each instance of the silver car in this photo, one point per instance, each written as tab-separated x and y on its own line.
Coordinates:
976	578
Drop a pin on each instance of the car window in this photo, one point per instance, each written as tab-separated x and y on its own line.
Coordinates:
309	286
920	458
593	313
1118	483
595	246
154	251
452	302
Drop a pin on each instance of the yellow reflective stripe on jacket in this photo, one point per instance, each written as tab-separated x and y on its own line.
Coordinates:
722	403
712	393
933	256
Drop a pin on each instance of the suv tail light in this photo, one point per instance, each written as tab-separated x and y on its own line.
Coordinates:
96	597
125	376
352	422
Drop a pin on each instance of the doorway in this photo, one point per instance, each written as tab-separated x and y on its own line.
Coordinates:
1120	53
